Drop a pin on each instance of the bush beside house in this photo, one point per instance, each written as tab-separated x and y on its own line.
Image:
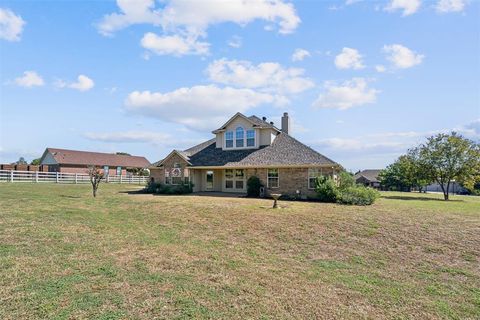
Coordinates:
344	191
159	188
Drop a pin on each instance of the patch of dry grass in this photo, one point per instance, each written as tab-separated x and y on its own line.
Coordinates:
66	255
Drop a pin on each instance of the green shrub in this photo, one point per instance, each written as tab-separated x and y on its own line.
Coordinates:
358	195
253	186
345	180
159	188
326	189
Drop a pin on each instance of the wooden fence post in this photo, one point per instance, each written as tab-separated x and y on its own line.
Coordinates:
76	178
36	176
11	175
120	179
56	177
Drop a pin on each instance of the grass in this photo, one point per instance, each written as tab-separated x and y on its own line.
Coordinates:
65	255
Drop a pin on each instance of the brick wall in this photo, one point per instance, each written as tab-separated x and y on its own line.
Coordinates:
290	180
159	173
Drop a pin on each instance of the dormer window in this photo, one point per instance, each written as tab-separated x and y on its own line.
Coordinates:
229	139
250	138
239	137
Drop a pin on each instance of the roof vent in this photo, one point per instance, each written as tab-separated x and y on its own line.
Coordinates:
264	118
271	122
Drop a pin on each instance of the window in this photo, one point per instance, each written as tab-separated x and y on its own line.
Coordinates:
177	180
229	139
119	171
105	170
239	139
250	138
272	178
167	177
313	174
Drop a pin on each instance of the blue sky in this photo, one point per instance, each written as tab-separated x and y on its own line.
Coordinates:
362	80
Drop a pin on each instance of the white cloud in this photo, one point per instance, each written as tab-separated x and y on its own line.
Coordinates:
198	107
445	6
267	76
300	54
11	25
349	94
83	83
175	45
349	59
401	56
128	136
189	20
29	79
408	6
380	68
235	42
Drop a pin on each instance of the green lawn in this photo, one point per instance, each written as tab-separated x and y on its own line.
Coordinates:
65	255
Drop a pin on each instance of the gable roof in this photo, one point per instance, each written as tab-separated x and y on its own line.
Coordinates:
369	174
284	151
75	157
256	122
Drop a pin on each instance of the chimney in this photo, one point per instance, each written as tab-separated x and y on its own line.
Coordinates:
285	123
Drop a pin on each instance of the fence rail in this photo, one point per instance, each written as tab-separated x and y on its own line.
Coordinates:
59	177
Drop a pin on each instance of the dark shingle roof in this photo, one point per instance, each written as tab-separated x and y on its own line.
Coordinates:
284	151
370	174
63	156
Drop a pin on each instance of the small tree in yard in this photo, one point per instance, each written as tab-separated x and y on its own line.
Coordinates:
449	157
96	176
404	173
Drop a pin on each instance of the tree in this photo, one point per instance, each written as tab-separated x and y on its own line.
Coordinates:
445	158
123	154
405	173
96	176
21	160
35	162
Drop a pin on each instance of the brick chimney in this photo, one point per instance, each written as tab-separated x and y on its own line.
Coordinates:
285	123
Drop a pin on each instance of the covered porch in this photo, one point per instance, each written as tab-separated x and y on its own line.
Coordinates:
219	180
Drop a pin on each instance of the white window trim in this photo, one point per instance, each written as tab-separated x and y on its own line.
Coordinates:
234	141
320	173
278	179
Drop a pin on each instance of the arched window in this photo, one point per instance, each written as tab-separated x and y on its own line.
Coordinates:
239	137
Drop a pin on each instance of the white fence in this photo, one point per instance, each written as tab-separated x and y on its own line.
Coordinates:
59	177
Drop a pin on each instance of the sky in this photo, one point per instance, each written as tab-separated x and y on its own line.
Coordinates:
362	81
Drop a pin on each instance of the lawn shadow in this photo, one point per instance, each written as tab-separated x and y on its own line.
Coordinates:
70	197
417	198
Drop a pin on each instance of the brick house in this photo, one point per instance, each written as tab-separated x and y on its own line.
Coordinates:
74	161
368	178
245	147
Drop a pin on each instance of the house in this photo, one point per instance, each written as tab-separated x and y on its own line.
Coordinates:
368	178
74	161
244	147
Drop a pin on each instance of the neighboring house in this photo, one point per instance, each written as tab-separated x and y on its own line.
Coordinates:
454	187
73	161
245	147
368	178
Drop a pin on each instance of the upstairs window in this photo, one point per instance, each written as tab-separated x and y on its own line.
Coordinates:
239	138
250	138
229	139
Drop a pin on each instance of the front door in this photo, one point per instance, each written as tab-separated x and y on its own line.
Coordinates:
209	181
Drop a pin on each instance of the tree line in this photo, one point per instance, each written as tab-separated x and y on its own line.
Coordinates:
443	158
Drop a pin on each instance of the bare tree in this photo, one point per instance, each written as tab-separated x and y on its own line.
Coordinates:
96	176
